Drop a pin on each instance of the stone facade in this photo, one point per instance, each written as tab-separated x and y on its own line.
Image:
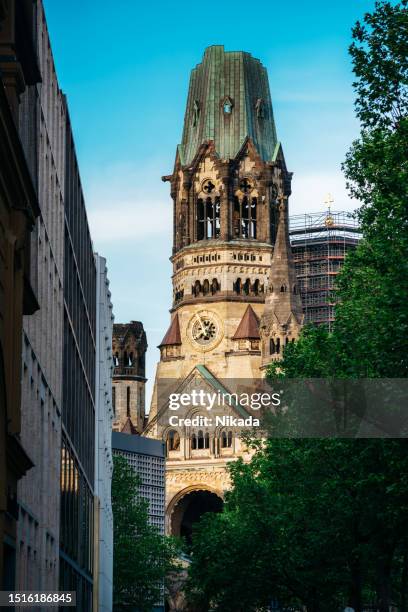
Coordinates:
18	211
129	347
230	189
43	135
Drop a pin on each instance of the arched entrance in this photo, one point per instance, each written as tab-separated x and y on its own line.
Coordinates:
188	508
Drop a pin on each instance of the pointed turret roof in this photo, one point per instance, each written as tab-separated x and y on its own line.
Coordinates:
283	299
228	100
248	329
173	335
129	428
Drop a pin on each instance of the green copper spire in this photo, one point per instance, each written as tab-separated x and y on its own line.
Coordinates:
228	101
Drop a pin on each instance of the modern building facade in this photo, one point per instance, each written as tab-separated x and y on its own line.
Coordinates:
18	213
147	457
320	243
236	302
50	378
103	551
76	554
42	128
129	347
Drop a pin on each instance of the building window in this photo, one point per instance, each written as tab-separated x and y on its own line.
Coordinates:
196	112
128	401
208	218
245	217
227	106
173	440
114	400
226	439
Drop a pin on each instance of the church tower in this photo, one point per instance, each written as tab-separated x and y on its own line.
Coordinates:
129	347
228	176
283	314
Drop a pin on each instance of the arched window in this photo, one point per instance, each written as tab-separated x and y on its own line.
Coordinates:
116	359
229	439
125	358
208	218
200	219
238	286
278	346
244	217
283	288
206	287
128	401
197	288
272	347
255	287
131	359
224	440
193	442
214	286
207	440
200	439
247	286
173	440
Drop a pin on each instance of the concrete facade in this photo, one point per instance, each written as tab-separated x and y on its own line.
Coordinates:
39	495
18	212
103	565
148	458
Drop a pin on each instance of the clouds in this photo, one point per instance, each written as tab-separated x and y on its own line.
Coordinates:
129	203
309	192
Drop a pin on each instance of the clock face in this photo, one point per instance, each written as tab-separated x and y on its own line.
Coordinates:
205	330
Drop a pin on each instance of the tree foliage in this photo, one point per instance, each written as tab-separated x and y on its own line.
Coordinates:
322	523
142	557
319	525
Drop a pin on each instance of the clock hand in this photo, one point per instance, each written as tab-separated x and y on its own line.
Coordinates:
201	324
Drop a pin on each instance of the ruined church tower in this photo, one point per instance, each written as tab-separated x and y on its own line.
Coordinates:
230	188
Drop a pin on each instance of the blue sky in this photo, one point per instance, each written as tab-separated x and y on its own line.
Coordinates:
125	67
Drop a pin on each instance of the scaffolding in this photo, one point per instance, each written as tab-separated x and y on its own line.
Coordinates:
320	242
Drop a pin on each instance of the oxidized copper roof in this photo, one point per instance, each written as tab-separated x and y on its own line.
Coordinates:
248	327
238	81
172	336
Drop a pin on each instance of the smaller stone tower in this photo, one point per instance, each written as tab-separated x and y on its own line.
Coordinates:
283	314
128	387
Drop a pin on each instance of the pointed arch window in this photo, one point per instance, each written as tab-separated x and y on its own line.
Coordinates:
245	217
208	218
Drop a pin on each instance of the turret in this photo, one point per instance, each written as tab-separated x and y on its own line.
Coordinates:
283	315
